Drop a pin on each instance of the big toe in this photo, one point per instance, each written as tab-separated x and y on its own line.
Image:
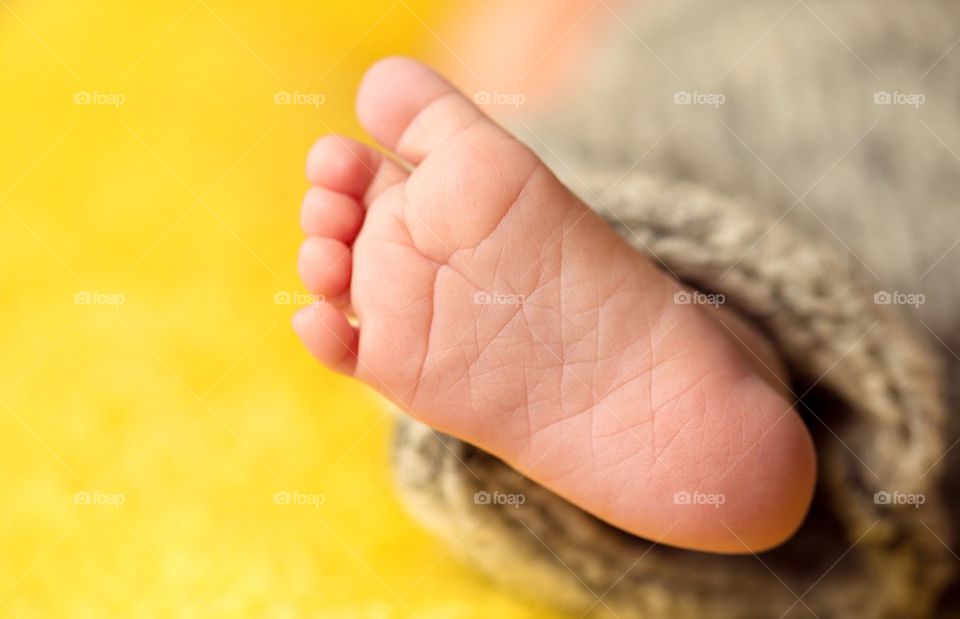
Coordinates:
469	171
411	109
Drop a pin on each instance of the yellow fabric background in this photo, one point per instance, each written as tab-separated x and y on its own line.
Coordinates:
180	389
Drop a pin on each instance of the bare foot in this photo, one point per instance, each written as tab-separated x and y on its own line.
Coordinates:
495	306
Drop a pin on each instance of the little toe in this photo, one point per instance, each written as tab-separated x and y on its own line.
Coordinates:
329	336
325	266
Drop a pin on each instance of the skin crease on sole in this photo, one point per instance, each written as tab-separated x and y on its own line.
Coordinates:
493	305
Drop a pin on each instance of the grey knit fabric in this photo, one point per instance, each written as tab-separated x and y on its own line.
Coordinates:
775	151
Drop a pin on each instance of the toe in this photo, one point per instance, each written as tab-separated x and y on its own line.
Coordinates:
325	265
342	165
331	214
388	174
329	336
411	109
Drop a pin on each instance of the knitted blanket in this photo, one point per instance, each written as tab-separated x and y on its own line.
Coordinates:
794	157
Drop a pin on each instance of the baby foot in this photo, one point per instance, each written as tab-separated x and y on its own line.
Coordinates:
493	305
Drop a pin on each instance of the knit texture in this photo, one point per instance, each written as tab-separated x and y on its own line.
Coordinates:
753	148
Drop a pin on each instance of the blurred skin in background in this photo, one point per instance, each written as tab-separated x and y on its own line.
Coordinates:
534	47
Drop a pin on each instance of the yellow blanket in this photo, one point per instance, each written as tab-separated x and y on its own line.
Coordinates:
167	448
